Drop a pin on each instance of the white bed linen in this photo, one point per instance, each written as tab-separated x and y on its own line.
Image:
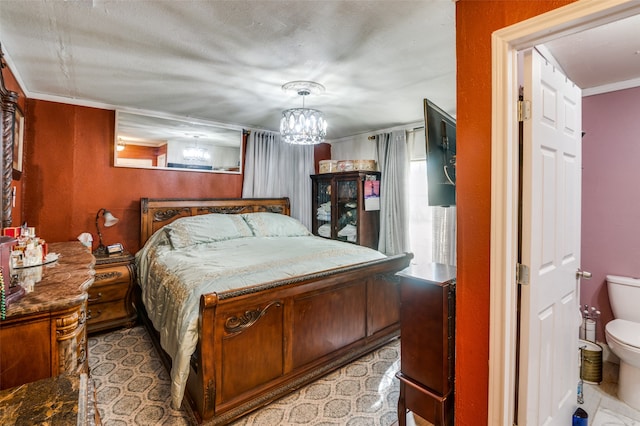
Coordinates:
172	281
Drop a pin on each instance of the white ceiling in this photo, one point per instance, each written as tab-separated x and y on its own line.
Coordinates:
601	59
226	61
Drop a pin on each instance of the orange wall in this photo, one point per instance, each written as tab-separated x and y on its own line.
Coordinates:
69	176
475	21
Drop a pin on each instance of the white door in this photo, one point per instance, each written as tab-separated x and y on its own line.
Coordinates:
551	172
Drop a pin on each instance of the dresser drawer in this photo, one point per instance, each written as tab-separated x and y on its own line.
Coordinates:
107	293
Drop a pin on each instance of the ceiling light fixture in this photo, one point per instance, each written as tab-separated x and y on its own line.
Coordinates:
303	126
196	153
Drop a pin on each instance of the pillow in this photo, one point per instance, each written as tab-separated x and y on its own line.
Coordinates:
265	224
206	228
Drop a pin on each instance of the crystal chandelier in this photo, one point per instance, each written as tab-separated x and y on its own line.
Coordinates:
195	152
303	126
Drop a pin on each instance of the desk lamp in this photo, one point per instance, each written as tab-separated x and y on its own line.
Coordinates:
109	220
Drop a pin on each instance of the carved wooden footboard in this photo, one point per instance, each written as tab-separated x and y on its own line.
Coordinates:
259	343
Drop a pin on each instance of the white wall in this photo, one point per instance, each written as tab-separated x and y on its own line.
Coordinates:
359	147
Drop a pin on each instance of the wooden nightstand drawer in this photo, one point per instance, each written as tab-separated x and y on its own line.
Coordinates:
110	275
106	312
108	293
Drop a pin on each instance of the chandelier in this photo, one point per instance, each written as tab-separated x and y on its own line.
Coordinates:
303	126
196	153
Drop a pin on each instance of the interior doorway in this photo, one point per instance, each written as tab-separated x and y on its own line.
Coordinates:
505	160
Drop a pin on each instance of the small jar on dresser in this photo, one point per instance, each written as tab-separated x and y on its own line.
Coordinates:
111	295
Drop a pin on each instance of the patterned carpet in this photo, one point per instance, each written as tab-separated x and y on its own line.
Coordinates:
132	388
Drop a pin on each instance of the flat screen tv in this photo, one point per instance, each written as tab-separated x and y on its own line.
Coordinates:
440	136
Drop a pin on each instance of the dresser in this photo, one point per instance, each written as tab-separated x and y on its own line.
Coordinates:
111	295
427	344
44	333
346	207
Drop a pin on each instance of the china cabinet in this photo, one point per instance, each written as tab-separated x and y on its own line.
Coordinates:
346	207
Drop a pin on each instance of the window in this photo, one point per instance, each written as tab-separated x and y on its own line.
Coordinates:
432	230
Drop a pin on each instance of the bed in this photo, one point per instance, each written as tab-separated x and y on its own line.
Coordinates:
239	326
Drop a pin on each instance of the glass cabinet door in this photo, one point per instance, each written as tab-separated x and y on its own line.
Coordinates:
346	206
323	213
347	210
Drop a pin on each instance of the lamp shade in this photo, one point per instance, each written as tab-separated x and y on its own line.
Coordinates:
109	219
303	126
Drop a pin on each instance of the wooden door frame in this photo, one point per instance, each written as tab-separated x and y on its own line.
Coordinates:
505	44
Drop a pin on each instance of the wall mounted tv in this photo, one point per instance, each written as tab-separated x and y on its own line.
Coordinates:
440	136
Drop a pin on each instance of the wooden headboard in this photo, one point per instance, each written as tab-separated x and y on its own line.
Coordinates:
157	212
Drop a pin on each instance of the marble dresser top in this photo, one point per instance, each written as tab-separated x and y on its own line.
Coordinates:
59	284
60	400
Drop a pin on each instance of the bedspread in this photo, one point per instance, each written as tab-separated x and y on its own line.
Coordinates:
172	280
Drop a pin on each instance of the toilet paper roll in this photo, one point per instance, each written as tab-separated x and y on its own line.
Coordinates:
590	330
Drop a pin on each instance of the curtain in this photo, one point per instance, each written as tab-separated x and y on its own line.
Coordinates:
393	164
444	235
277	169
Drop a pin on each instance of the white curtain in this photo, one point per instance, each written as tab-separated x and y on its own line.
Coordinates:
393	164
444	235
276	169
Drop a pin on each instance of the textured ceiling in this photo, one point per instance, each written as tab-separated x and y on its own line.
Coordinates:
227	60
602	58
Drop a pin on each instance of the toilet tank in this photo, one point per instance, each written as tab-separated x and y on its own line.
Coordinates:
624	296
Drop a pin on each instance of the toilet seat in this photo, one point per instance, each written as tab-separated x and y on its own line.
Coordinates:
623	332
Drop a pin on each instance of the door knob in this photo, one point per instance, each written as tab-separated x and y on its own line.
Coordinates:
583	274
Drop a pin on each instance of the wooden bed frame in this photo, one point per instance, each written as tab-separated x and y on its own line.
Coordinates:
259	343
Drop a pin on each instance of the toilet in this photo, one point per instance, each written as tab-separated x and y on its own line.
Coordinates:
623	335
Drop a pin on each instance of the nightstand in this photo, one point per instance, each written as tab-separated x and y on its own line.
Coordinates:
111	295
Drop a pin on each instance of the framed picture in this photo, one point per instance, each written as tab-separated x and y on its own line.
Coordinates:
18	139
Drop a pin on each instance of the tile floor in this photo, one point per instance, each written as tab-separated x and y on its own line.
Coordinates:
415	420
602	404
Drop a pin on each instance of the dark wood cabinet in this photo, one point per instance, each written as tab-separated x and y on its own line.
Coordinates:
44	333
111	295
427	345
340	211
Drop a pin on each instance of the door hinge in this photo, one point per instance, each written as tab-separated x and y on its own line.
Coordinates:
522	274
524	110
